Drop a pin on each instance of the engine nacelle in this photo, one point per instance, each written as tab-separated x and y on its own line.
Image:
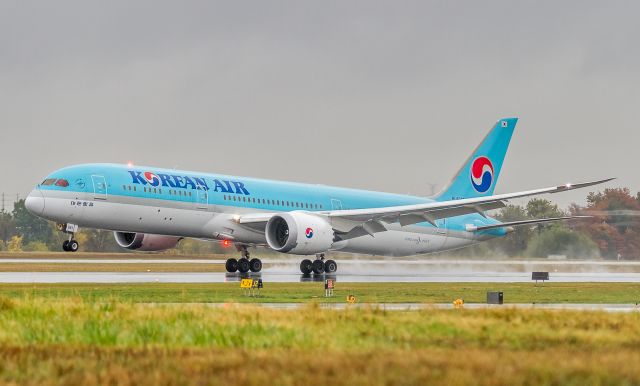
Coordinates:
145	241
299	233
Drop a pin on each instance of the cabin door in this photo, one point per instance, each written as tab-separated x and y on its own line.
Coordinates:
99	187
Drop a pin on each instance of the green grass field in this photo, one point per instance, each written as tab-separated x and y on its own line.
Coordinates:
71	340
167	334
627	293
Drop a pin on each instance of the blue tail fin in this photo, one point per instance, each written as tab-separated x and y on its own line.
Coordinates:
479	174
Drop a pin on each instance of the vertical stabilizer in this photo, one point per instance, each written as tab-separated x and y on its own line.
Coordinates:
479	174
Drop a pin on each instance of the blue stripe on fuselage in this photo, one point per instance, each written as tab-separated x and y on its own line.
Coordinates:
248	192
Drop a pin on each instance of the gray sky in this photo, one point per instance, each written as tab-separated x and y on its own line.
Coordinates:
366	94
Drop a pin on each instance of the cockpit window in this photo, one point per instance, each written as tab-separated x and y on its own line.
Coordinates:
62	183
48	181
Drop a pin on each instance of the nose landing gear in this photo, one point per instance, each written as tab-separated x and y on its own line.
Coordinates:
243	264
69	245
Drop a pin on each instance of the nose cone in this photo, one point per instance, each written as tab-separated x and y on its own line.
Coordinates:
35	202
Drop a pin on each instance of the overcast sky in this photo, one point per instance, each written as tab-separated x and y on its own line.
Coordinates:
376	95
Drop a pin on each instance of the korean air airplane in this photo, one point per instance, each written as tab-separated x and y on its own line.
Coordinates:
152	209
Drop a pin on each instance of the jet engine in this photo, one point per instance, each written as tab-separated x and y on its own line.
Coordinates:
145	241
299	233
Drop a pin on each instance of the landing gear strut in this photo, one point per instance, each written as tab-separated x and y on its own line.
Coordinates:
69	245
244	264
318	266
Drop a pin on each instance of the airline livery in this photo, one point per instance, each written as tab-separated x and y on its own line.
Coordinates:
152	209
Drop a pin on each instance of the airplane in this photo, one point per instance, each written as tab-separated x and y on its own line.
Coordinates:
152	209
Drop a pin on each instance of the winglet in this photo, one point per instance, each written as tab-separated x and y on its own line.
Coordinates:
570	186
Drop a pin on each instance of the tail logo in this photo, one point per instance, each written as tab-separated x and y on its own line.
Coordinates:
152	179
481	174
308	233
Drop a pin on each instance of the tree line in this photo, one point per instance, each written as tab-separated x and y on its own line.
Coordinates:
612	231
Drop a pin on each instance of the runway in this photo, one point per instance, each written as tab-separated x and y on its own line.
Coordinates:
433	263
349	271
274	277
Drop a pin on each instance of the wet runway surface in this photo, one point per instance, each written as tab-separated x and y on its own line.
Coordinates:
360	270
387	263
163	277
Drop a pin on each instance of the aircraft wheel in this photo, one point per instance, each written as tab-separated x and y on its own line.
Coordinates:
243	265
65	245
255	265
330	266
306	266
231	265
73	246
318	267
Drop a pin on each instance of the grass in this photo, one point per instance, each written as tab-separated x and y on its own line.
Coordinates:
603	293
76	341
110	267
104	255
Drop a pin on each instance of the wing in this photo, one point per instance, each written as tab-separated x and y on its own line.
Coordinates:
358	222
373	220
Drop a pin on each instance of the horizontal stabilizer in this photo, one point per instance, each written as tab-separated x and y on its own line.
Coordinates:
473	228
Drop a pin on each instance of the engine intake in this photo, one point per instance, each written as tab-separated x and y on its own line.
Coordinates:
299	233
145	241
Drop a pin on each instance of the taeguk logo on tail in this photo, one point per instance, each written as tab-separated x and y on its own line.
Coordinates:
481	174
308	233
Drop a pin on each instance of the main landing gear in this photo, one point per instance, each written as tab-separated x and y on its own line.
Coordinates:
69	245
318	266
245	263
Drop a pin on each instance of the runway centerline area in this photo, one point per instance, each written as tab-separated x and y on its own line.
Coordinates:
189	277
355	271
